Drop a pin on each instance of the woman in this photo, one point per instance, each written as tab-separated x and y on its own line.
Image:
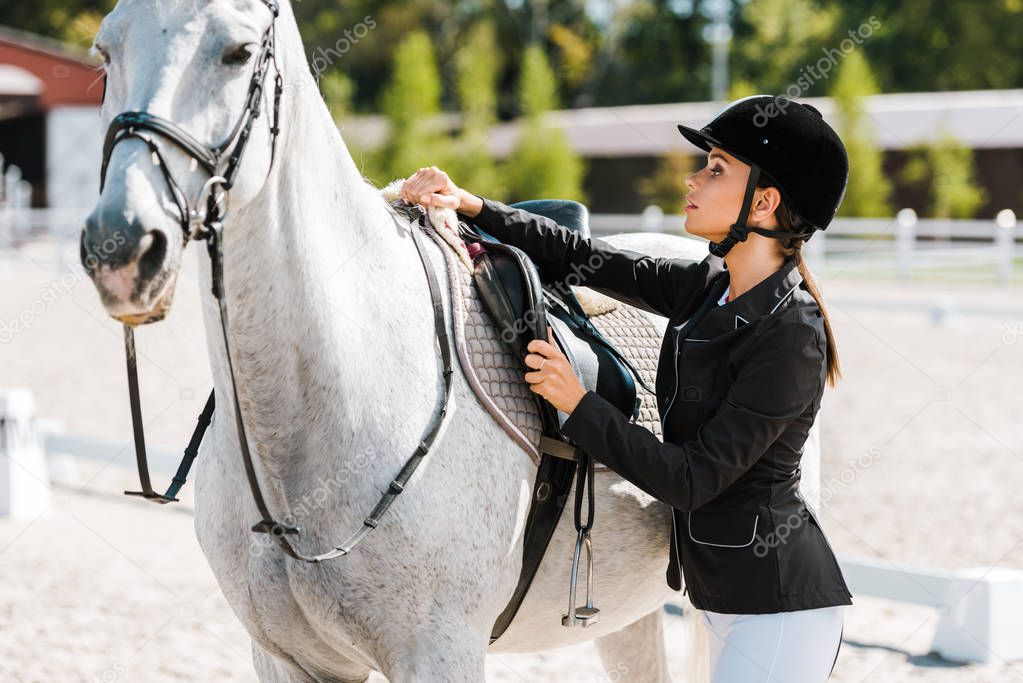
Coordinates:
742	369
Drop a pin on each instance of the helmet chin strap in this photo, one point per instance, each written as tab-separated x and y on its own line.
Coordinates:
739	231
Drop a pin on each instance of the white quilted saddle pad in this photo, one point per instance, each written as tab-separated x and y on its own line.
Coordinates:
496	374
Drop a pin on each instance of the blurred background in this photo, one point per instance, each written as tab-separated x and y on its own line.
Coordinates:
921	442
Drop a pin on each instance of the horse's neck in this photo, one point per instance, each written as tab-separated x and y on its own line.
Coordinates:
329	320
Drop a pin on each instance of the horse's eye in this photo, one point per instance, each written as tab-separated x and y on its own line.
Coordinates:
240	55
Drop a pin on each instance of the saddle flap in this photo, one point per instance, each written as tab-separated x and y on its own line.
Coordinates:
510	287
596	367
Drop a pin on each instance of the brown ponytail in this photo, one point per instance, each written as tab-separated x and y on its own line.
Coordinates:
791	222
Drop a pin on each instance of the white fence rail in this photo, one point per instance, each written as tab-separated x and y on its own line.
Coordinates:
20	224
903	244
899	246
980	610
24	484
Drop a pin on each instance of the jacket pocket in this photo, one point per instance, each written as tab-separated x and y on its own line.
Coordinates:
723	529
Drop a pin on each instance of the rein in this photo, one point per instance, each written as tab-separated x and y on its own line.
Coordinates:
208	225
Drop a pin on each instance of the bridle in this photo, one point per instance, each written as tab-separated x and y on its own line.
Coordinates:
207	225
196	223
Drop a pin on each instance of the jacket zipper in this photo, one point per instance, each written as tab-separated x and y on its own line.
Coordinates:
700	311
674	394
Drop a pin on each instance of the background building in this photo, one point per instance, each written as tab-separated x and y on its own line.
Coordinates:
49	118
621	145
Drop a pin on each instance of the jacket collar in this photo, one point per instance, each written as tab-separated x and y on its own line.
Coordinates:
764	298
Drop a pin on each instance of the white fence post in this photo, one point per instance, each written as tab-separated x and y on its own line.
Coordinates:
17	195
652	219
1005	244
8	178
905	236
24	481
980	618
814	249
981	609
12	176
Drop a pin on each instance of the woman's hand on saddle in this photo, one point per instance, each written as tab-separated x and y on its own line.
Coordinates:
431	186
555	381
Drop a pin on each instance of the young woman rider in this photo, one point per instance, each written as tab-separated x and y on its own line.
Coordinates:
742	369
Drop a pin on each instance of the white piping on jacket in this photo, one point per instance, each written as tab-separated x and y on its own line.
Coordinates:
724	545
786	296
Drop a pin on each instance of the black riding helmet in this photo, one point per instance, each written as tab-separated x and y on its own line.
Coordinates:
790	142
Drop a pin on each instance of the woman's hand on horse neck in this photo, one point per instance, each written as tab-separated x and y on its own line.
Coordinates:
431	186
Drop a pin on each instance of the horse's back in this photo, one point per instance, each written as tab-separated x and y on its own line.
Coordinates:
660	244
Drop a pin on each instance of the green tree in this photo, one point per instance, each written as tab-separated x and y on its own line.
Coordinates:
72	21
575	55
740	87
936	45
337	90
478	67
543	163
326	26
946	173
869	189
411	104
666	187
647	51
775	41
650	51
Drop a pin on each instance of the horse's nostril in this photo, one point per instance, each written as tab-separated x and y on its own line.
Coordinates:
83	255
87	249
152	253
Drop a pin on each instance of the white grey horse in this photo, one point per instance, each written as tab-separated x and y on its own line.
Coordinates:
338	375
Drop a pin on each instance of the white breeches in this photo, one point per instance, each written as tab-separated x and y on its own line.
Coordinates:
785	647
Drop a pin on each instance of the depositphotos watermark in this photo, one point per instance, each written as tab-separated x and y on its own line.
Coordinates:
54	290
326	491
781	533
1013	332
817	71
578	276
829	489
112	673
324	58
821	70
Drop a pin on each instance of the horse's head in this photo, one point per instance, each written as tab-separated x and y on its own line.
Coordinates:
184	82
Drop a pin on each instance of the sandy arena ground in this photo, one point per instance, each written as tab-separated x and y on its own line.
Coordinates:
922	450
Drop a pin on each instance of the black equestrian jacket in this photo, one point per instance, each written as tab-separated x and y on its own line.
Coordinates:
738	388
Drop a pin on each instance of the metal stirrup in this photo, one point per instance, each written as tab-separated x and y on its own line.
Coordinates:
586	615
